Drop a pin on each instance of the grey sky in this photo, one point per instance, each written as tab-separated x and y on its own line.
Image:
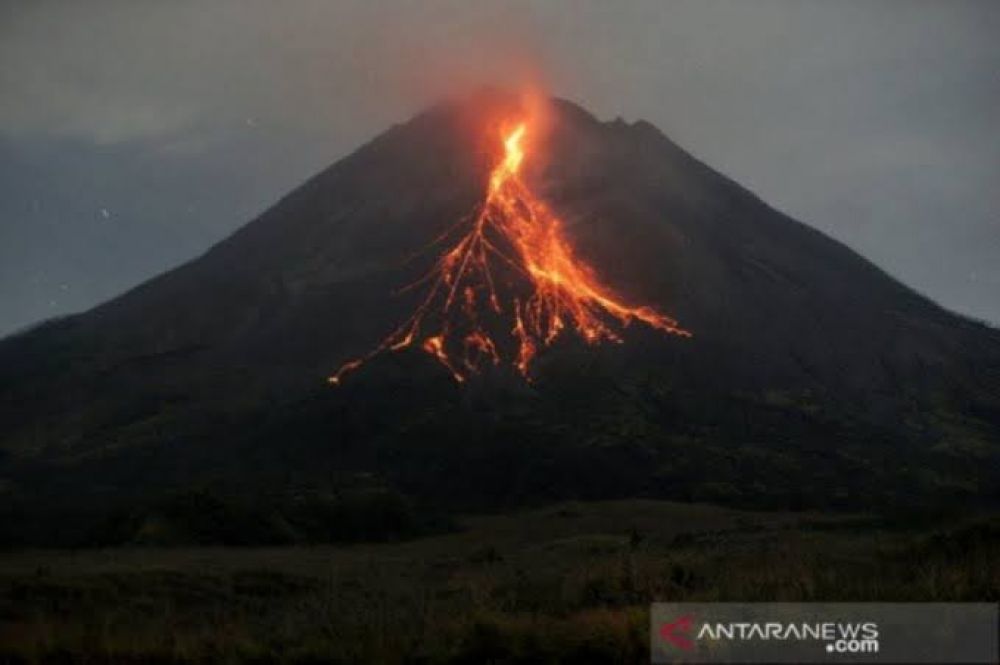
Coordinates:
135	134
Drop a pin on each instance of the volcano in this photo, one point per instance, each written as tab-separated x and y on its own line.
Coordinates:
603	316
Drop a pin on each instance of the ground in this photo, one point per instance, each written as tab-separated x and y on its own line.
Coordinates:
565	583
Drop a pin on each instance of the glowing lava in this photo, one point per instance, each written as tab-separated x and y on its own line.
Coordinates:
513	270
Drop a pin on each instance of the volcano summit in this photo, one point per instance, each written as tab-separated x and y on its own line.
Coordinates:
512	234
813	378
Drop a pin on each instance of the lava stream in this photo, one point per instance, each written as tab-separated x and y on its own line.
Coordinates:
512	239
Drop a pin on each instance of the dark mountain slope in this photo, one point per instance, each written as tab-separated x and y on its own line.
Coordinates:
812	378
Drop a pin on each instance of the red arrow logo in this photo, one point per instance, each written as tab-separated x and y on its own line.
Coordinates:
672	632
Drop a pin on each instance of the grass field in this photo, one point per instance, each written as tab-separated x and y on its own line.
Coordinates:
568	583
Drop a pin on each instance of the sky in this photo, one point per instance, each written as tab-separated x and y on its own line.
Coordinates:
135	134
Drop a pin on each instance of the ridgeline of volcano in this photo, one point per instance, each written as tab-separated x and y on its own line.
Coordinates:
814	378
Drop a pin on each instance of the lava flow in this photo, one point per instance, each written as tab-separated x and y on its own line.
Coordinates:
514	270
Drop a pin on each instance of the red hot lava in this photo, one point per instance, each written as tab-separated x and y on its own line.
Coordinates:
512	232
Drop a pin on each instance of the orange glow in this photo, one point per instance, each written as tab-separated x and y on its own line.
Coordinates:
512	271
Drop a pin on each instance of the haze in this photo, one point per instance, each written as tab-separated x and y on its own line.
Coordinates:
135	134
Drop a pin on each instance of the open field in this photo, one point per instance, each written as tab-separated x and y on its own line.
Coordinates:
567	583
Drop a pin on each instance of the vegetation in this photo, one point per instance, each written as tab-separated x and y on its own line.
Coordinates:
569	583
201	517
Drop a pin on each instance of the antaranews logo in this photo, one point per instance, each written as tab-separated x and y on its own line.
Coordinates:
824	632
676	633
837	637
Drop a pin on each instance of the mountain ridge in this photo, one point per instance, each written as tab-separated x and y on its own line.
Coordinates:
814	378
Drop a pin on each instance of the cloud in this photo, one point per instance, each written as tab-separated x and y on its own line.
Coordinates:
875	122
120	71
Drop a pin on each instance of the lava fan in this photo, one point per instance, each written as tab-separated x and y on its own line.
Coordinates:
509	285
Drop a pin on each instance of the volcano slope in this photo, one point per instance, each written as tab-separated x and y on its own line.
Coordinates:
812	378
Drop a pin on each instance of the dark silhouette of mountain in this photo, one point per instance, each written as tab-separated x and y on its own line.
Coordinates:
813	378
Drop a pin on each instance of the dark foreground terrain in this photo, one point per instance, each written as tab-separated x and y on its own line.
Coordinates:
569	583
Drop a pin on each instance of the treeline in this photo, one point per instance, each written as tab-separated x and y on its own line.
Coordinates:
202	517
